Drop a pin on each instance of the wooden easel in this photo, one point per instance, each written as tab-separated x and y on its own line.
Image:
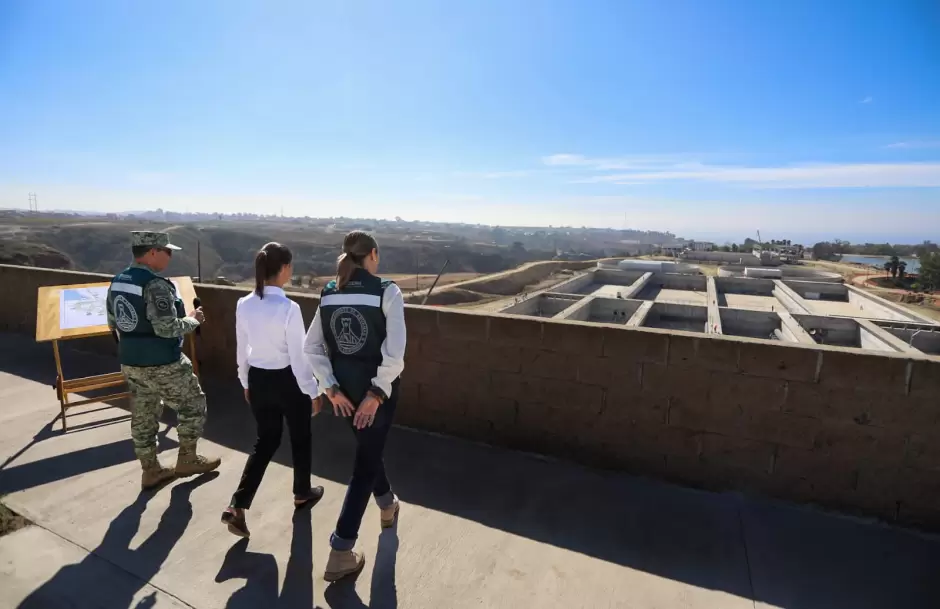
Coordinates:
48	316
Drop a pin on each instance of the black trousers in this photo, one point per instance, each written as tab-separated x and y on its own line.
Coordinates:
368	478
275	396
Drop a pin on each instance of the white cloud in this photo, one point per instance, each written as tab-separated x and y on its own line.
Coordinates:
867	100
915	144
564	160
858	175
647	169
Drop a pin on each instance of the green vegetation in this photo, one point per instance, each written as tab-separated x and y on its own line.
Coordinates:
929	275
831	250
10	521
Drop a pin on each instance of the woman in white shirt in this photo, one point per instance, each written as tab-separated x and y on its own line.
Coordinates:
278	381
356	345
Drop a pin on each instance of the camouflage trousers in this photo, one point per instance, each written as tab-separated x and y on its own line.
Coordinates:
174	385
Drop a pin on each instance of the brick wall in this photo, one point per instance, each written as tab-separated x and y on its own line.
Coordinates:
841	428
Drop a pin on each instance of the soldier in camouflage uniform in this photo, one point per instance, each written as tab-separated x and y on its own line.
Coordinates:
148	316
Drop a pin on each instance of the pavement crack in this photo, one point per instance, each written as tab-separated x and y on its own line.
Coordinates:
115	565
747	558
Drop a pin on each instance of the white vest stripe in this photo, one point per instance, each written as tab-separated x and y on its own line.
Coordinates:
338	300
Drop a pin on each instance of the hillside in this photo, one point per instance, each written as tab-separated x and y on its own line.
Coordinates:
228	248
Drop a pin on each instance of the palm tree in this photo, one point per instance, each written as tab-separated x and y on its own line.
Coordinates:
902	266
894	265
887	269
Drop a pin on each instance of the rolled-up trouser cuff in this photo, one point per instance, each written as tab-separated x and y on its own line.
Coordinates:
343	545
385	501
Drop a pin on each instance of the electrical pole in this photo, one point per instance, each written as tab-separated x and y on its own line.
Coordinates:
33	203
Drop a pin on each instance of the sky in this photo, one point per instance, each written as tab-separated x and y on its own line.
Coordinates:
806	119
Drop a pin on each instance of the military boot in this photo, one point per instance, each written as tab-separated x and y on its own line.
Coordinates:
154	474
189	462
343	563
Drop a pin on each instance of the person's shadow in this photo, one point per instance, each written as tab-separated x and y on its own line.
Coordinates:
143	562
261	574
382	593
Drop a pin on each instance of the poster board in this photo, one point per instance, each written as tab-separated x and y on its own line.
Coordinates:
78	310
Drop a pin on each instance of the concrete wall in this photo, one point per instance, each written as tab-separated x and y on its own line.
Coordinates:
729	257
603	276
814	290
884	308
755	324
612	310
839	331
849	430
675	281
789	272
576	284
923	337
734	285
515	280
542	305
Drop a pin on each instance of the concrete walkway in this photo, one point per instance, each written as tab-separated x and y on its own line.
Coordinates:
480	527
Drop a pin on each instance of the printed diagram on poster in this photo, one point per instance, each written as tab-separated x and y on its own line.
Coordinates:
82	307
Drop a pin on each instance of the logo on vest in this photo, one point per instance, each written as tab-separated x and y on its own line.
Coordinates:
350	330
125	316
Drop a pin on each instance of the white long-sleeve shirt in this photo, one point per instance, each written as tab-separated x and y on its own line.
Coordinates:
270	333
393	347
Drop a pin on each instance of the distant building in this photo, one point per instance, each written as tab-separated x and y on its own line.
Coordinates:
701	246
671	249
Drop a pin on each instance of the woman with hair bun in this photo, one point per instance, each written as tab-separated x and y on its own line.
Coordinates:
356	345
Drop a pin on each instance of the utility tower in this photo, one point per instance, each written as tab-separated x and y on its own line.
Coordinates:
33	204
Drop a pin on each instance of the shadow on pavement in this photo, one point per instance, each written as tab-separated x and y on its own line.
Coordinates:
261	574
144	561
15	477
709	540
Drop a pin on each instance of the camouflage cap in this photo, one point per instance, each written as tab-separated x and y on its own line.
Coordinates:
141	238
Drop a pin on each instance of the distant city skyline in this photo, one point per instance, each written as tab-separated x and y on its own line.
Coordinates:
808	121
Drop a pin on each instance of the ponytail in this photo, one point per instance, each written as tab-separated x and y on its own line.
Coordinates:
356	246
261	260
269	261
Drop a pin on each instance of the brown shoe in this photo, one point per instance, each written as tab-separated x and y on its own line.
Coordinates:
343	563
235	519
155	476
390	514
189	462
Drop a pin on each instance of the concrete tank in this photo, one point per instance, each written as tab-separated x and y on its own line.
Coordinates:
657	266
801	273
762	273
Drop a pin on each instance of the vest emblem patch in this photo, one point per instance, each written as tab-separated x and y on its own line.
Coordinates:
125	316
349	329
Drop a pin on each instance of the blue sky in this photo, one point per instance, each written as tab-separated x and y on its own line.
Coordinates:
711	119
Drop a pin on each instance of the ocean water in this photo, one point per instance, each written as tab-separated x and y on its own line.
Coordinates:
879	261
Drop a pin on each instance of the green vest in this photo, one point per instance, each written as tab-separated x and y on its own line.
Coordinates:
139	345
354	328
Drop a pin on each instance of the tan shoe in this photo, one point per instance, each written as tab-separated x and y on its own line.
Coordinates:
189	462
390	514
155	476
343	563
237	525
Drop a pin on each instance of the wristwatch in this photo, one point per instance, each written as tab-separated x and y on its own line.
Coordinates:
331	391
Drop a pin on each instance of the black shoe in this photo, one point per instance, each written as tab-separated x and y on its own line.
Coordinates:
309	499
236	524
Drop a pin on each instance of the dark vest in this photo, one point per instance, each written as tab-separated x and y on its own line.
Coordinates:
354	327
139	345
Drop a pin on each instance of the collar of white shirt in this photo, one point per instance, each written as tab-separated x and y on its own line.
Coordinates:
270	289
